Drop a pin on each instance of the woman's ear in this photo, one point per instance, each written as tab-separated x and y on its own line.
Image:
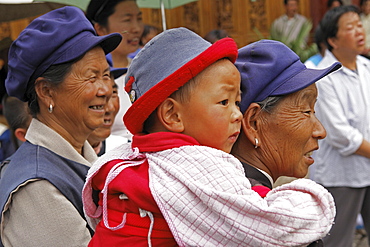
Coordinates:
332	42
169	115
250	122
44	92
100	30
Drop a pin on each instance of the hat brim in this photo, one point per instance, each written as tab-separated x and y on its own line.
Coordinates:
118	72
77	48
302	80
147	103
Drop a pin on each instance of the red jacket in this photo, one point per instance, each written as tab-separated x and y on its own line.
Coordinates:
134	183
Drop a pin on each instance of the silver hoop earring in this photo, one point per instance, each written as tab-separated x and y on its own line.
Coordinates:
50	108
256	141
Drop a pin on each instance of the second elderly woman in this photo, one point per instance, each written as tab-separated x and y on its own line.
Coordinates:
58	66
279	129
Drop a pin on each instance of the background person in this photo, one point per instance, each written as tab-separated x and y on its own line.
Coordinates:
314	60
176	184
365	18
98	138
291	28
215	34
342	162
67	85
148	33
334	3
18	118
125	17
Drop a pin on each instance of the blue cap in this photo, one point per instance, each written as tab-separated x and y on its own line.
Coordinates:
270	68
116	72
59	36
165	64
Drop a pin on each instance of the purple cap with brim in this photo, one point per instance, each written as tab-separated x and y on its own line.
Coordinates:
270	68
118	72
56	37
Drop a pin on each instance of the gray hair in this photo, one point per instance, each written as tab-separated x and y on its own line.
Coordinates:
269	104
55	75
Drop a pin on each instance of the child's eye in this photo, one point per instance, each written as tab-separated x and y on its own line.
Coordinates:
224	102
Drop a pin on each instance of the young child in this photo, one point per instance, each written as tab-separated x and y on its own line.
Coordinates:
176	184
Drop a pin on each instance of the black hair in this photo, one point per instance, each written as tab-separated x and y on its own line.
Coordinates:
330	3
329	23
362	2
98	11
319	38
286	1
215	34
16	114
147	30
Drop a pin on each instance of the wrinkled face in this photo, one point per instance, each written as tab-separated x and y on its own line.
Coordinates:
290	134
126	20
103	132
212	114
291	8
350	37
80	100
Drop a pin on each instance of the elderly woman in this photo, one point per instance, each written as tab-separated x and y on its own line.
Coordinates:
58	65
279	129
125	17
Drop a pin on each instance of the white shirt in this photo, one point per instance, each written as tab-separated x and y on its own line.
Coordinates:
343	107
119	129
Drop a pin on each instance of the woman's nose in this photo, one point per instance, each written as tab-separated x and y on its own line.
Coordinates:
105	88
319	131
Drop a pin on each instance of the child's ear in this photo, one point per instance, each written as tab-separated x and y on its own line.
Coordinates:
250	122
169	115
20	133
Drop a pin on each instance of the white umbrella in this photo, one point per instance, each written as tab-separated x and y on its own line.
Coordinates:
162	4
